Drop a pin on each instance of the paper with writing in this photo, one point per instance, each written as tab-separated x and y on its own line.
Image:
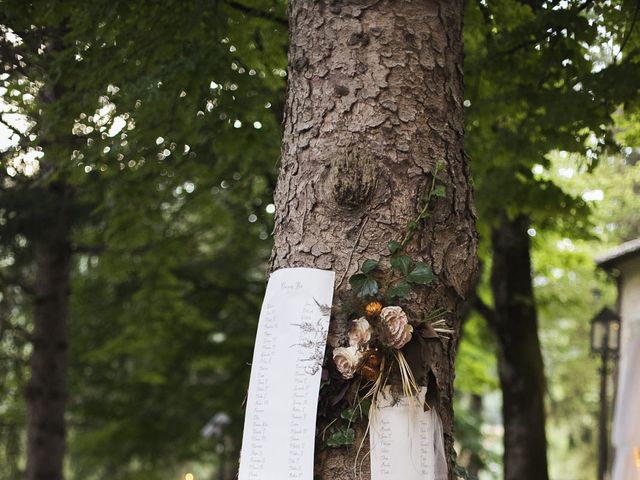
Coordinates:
279	426
403	441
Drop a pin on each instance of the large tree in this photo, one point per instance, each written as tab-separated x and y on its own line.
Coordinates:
374	105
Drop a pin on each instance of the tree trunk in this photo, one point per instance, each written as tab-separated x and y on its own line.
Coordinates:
47	388
476	410
520	364
374	103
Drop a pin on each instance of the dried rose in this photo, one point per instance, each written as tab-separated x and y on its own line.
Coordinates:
402	339
396	331
347	360
373	308
360	332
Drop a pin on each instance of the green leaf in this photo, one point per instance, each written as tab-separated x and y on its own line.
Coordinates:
399	290
356	413
369	266
363	285
403	263
440	191
351	414
394	246
342	436
421	274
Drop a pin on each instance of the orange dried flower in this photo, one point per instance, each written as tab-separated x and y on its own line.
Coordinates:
370	368
373	308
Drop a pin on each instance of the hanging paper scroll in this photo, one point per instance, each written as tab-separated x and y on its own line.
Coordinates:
406	442
279	427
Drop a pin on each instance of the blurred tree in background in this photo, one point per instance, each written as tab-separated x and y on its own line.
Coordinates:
151	132
541	76
168	136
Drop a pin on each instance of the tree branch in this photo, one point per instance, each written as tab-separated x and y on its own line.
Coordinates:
88	249
10	127
484	310
9	54
256	12
630	31
6	280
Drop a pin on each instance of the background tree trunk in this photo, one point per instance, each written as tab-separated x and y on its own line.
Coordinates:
520	364
476	409
374	102
47	388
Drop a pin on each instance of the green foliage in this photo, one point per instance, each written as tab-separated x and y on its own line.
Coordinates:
358	412
169	213
440	191
369	266
340	430
341	437
476	365
402	263
398	291
164	118
569	291
436	190
411	272
421	274
394	246
363	285
540	78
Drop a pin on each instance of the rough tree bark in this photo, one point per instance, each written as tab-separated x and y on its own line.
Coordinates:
520	365
374	102
47	388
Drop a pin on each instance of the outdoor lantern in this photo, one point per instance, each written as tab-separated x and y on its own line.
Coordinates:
605	332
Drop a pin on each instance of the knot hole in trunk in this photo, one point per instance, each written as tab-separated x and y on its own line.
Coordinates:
352	178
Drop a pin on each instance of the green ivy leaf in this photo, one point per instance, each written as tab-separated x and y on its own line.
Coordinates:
363	285
439	191
342	436
356	413
421	274
399	290
394	246
403	263
351	414
369	266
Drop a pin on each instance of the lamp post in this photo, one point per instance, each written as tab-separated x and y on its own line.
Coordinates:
605	341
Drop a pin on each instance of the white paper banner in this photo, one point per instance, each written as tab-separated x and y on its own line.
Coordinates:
280	420
406	442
